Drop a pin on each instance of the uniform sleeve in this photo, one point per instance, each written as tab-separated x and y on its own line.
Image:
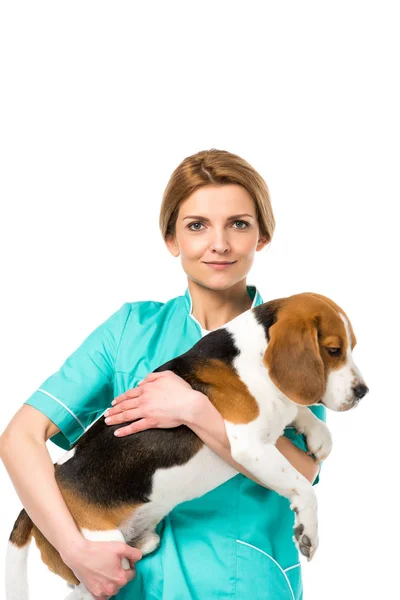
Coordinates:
299	439
82	389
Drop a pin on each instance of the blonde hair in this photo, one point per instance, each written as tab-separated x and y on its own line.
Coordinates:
214	167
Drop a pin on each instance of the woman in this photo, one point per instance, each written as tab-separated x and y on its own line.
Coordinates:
236	541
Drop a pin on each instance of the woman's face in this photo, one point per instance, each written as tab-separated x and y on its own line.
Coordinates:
217	224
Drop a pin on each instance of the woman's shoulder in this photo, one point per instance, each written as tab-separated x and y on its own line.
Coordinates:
150	307
140	312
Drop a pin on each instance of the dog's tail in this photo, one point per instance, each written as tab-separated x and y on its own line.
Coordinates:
16	558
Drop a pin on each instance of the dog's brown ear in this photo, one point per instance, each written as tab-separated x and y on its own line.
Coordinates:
293	360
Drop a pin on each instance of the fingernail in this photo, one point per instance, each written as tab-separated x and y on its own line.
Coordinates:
108	419
116	432
113	402
107	412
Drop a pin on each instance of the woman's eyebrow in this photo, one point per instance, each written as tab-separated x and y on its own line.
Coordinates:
208	220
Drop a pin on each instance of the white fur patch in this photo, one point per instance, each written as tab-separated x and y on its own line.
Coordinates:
276	410
339	393
202	473
16	572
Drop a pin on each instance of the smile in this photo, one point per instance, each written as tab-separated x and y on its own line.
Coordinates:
219	266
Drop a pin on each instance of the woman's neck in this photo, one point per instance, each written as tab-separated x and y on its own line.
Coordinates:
213	308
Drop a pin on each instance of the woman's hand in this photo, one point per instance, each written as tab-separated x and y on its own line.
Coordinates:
98	566
162	399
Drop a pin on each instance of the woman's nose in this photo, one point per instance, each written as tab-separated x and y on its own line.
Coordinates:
220	242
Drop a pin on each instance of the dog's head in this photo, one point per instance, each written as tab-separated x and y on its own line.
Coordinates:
309	353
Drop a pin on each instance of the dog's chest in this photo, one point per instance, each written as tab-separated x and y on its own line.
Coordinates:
276	411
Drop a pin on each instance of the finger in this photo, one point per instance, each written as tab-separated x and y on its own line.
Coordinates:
132	554
131	574
135	427
128	573
132	393
124	416
125	405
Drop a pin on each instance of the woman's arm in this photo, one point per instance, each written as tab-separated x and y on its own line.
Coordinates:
24	453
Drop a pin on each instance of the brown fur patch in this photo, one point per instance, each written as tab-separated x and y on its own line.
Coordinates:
52	558
22	530
339	310
95	517
227	391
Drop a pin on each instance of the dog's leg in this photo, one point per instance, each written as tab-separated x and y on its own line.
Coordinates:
319	439
139	530
148	542
274	471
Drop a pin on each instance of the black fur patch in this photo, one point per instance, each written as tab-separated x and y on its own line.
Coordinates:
109	471
267	314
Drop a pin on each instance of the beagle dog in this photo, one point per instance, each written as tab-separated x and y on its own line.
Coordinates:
261	371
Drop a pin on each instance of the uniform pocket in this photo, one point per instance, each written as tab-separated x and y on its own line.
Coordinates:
260	577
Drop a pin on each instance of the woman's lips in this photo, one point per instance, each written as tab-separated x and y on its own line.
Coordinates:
220	266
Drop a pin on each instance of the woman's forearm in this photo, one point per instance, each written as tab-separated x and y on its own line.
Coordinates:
205	420
31	470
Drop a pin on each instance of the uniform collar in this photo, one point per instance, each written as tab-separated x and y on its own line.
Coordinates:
251	290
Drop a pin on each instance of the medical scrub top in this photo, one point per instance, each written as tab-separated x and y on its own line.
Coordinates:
234	542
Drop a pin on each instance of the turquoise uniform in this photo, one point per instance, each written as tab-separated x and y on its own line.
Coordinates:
234	542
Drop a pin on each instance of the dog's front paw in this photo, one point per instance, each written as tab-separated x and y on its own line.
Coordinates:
319	441
305	527
149	543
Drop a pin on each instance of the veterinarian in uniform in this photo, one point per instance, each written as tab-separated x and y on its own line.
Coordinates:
235	542
237	539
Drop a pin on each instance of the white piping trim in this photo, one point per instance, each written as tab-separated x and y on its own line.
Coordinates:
201	328
273	560
64	406
294	567
193	317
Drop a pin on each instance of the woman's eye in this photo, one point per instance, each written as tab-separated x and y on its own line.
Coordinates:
243	222
334	351
194	223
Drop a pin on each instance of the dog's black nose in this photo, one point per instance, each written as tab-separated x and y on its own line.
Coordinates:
360	390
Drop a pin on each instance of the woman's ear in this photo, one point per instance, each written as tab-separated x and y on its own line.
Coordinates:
172	244
293	360
262	242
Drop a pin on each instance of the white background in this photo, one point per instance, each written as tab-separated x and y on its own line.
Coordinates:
101	101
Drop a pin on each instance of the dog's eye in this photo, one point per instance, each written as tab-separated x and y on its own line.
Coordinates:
333	351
